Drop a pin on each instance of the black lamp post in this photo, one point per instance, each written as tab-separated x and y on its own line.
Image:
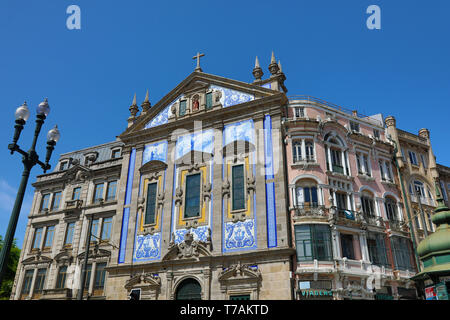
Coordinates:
29	159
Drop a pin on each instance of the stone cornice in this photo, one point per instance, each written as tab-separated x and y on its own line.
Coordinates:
262	256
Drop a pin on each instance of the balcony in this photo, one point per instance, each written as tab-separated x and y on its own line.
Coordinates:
311	210
307	159
338	169
423	200
74	204
56	294
344	216
373	220
398	225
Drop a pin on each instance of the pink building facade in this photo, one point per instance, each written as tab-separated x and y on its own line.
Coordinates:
347	215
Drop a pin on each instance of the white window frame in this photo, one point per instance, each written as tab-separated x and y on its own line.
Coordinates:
413	156
364	162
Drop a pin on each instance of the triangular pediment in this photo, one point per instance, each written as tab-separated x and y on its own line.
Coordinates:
76	173
225	93
240	272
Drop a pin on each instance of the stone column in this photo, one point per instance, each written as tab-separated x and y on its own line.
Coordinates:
168	198
337	243
260	211
216	214
133	204
169	277
33	281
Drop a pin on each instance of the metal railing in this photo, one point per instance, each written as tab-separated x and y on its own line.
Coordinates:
309	209
302	159
337	107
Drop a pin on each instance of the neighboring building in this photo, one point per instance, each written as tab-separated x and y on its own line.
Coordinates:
444	183
347	212
417	165
82	186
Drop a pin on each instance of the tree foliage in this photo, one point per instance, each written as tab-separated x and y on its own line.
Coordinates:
10	273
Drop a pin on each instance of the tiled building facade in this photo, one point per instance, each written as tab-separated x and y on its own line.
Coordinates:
229	190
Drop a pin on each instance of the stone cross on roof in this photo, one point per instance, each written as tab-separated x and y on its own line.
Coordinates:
198	56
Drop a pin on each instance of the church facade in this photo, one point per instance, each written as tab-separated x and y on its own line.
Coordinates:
224	190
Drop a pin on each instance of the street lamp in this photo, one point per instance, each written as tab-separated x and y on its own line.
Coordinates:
29	160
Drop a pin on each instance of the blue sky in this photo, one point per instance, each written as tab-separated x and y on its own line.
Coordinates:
326	50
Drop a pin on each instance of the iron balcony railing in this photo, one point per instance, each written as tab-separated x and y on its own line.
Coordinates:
309	209
306	158
346	214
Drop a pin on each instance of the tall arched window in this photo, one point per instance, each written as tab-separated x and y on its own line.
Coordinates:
189	289
420	191
336	156
391	209
368	204
297	151
306	194
309	148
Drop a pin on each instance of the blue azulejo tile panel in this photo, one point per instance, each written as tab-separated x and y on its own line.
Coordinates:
268	148
130	175
199	141
271	215
270	186
232	97
123	235
200	234
240	235
243	130
147	247
162	117
155	151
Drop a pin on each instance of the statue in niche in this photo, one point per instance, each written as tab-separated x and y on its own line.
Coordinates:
195	103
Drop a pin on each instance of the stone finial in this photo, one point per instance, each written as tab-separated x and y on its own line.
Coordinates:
146	105
424	133
257	71
273	66
390	121
279	67
134	108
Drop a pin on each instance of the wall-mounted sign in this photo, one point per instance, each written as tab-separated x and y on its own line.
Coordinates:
441	291
315	293
430	294
382	296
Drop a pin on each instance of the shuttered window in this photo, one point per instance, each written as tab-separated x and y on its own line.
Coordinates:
209	100
238	187
192	206
151	203
182	107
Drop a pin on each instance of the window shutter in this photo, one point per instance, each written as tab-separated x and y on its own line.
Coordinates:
238	187
209	100
182	107
151	203
192	206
